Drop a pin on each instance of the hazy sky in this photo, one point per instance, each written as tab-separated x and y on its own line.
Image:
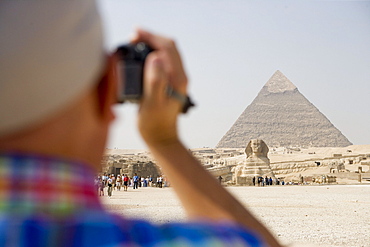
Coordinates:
231	48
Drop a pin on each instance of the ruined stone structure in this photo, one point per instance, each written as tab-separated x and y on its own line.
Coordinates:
143	169
256	165
129	165
324	179
282	116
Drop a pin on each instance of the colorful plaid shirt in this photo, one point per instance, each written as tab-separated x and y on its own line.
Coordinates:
47	201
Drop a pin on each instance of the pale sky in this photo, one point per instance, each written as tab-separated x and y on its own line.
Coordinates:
231	48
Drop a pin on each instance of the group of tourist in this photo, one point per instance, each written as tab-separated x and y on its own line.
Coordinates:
262	181
112	182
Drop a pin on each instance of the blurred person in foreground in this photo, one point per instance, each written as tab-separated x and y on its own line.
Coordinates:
57	89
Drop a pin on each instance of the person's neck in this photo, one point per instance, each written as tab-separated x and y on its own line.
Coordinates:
60	137
49	146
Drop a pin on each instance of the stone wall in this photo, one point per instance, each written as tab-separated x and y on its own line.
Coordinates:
129	165
142	169
291	167
334	164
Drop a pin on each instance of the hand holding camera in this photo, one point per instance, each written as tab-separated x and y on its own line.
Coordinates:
162	86
130	70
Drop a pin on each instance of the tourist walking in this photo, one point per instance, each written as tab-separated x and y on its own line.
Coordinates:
119	182
159	181
113	181
101	187
136	181
110	186
125	182
105	178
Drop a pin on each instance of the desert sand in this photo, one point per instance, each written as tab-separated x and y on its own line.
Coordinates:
322	215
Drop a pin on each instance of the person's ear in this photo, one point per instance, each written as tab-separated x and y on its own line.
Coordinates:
107	89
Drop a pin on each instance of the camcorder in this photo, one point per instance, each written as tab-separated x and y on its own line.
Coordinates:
130	70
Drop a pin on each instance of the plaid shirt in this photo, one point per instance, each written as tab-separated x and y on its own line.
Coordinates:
46	201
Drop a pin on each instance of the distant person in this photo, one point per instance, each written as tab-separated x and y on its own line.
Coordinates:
105	178
113	181
160	181
254	181
119	182
135	180
141	181
125	182
101	187
57	89
220	179
110	186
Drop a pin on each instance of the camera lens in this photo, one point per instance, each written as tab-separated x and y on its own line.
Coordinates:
140	47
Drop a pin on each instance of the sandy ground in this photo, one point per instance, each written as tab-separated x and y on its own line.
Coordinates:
326	215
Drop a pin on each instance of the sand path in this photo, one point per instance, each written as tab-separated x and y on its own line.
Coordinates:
327	215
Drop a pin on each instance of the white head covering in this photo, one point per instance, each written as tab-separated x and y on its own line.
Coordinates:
50	52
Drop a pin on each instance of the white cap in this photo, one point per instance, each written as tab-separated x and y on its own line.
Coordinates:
50	52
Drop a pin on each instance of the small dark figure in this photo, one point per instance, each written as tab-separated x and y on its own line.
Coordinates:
254	181
260	181
136	181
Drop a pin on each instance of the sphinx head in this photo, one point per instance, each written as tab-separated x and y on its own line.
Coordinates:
256	147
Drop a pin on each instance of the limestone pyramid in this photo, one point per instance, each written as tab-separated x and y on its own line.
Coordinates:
281	116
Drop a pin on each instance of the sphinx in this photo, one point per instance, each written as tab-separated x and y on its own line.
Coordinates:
257	164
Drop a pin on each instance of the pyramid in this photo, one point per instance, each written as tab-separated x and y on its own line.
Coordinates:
282	117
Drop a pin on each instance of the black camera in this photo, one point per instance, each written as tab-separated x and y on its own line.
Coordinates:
130	71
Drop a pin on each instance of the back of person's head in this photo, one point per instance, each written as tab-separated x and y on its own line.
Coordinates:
51	51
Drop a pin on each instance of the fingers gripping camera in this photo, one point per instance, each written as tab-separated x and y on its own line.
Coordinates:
131	73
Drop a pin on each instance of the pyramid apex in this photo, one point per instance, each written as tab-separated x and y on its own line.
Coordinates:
279	83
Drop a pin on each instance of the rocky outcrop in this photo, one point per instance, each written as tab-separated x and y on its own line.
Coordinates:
282	116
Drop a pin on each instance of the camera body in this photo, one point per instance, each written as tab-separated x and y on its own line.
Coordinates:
131	60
